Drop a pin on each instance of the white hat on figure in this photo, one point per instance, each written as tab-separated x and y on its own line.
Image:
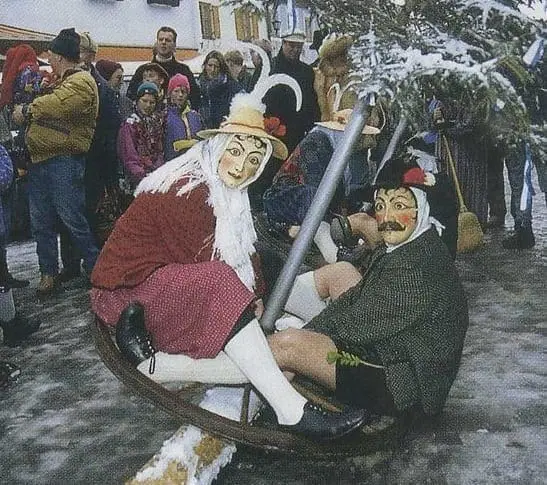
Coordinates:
294	36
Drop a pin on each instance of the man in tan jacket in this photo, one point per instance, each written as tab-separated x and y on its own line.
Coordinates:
60	129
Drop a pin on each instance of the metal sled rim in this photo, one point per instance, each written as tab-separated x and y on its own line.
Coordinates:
265	438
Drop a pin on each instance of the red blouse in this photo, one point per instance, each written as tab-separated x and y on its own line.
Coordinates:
159	229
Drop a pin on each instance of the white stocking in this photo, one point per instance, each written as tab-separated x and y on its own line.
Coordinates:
250	351
304	301
324	242
181	368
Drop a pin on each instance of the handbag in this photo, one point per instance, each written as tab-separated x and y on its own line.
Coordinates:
112	204
470	235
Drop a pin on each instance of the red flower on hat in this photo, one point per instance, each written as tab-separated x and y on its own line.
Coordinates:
273	126
417	176
414	176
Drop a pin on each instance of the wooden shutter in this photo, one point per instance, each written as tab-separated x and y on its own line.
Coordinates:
254	26
240	24
216	22
205	18
246	24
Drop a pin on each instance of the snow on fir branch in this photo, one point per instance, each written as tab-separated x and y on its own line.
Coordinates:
469	50
453	46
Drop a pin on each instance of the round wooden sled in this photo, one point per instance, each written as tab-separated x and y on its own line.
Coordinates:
382	433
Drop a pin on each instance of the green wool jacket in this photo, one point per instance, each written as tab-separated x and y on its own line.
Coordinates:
410	309
63	122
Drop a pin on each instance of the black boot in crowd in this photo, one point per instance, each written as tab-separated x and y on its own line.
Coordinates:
18	329
8	373
523	238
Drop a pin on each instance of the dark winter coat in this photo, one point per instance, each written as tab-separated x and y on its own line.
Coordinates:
281	101
216	96
180	131
410	310
102	159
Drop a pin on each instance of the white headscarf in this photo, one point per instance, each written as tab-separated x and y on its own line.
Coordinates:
423	221
234	231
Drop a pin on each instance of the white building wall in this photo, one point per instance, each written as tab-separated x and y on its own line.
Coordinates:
128	22
133	22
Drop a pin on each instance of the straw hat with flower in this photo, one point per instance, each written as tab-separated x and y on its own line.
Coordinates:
334	46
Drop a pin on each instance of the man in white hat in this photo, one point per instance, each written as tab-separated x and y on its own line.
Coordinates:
280	102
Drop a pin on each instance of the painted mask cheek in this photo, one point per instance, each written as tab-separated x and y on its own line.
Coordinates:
407	219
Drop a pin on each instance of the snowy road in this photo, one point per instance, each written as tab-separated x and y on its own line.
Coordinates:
69	421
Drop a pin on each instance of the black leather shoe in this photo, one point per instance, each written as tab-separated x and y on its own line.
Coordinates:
8	373
132	338
15	283
18	329
341	233
320	424
522	239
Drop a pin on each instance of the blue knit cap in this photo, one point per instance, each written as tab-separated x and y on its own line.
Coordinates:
147	88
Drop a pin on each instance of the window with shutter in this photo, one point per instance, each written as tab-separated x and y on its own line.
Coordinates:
216	21
210	23
246	24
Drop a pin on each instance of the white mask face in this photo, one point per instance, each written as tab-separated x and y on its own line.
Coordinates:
241	159
396	214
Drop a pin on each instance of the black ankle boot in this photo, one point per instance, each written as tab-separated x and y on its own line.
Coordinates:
69	273
8	373
132	338
320	424
18	329
522	239
341	232
16	283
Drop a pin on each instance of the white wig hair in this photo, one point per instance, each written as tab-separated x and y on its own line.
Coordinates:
234	231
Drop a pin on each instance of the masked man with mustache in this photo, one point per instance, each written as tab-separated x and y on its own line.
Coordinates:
405	319
389	340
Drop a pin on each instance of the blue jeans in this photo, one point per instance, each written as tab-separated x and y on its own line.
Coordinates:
56	190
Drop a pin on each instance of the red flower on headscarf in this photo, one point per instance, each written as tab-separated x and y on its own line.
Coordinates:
414	176
417	176
273	126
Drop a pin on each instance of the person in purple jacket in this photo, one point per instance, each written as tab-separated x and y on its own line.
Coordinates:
140	139
182	122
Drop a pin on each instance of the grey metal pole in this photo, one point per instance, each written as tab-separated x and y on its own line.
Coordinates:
392	145
315	214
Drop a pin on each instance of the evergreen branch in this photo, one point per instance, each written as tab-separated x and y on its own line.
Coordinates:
350	360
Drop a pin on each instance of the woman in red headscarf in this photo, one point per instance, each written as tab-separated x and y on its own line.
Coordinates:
21	83
21	77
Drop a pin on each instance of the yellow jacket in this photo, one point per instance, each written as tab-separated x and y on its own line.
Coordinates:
63	122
